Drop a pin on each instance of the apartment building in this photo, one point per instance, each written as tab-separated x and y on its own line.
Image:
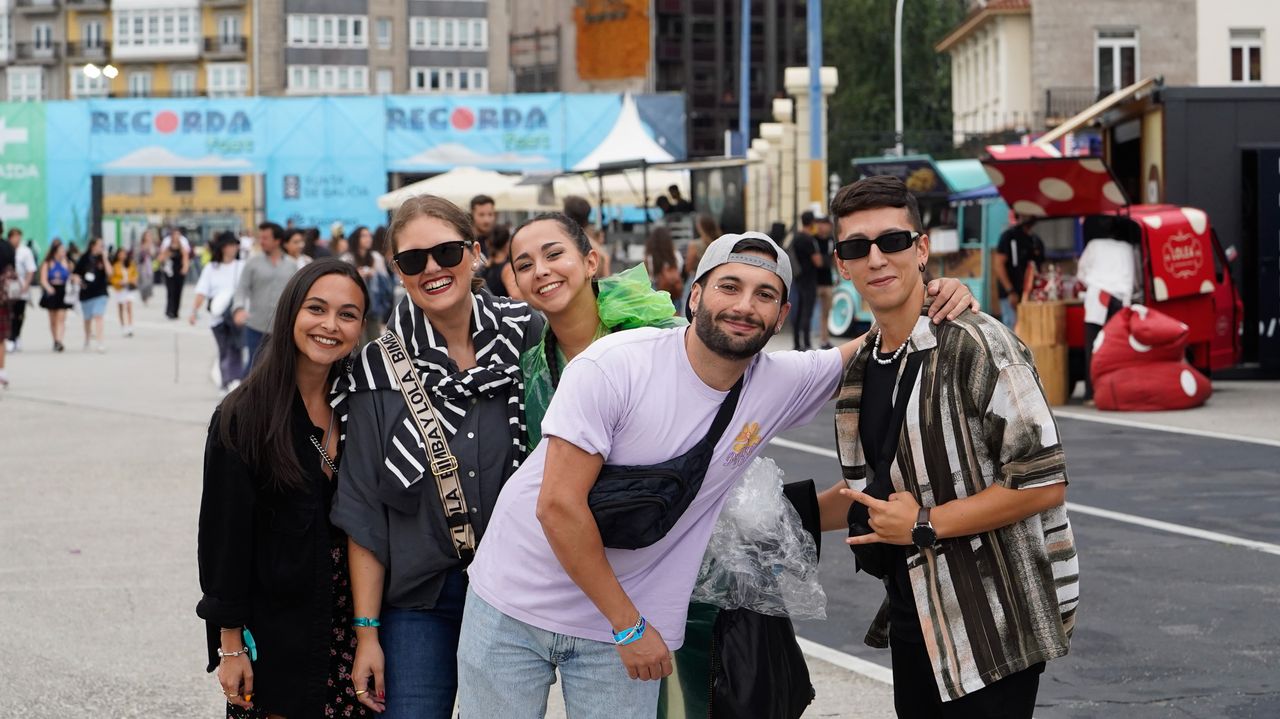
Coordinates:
1025	65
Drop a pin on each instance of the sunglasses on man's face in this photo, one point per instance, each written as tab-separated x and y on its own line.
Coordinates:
889	242
446	254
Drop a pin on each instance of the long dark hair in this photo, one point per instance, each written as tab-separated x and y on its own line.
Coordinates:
52	252
661	249
569	226
255	416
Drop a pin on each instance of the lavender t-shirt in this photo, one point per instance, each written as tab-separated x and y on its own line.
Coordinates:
634	398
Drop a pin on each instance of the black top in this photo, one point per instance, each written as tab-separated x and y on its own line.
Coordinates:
493	279
265	564
93	274
824	245
7	255
873	424
804	246
1020	249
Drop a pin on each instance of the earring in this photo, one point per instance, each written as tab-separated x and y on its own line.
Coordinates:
922	268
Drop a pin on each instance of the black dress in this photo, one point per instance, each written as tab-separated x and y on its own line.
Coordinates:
272	562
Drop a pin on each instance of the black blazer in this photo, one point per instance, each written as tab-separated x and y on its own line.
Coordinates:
265	564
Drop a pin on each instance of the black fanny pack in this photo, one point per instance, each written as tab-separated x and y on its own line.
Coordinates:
636	505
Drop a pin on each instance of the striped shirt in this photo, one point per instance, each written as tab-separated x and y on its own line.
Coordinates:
998	602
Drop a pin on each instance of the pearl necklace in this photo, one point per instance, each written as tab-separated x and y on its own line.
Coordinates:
875	352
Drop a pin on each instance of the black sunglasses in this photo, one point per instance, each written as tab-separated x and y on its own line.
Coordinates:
446	254
888	243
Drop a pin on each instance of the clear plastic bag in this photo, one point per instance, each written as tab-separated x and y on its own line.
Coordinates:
760	557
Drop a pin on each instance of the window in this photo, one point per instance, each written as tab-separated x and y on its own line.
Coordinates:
320	79
229	183
183	83
183	184
134	185
1117	59
1246	57
42	36
26	84
226	79
229	29
91	34
382	84
83	86
140	83
331	31
4	35
448	79
384	33
448	33
156	27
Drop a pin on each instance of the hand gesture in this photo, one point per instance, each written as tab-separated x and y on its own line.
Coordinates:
647	658
891	520
368	664
235	675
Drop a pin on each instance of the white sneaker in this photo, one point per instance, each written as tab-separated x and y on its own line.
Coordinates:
10	346
101	348
17	345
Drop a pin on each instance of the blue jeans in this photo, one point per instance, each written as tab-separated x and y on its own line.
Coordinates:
506	669
252	341
420	646
1008	315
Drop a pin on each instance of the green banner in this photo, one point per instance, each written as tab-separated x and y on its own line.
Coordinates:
22	168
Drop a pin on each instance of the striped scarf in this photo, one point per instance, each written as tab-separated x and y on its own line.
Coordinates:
498	326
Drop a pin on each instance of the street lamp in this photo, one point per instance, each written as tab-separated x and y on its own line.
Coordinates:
897	79
93	72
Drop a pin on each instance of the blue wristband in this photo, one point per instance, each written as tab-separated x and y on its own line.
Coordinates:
249	645
630	634
365	622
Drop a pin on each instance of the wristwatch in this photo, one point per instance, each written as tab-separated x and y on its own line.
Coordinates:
923	534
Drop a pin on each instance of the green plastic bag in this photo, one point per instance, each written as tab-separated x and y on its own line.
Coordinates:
625	301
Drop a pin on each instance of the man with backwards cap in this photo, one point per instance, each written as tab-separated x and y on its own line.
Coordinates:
545	592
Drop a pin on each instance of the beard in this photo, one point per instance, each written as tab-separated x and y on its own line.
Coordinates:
721	343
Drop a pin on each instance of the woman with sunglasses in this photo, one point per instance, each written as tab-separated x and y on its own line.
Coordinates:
464	344
277	599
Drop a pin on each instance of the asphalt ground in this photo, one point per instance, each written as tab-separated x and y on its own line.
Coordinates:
100	460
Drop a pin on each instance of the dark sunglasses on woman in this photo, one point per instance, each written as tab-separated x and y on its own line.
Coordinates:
889	243
446	254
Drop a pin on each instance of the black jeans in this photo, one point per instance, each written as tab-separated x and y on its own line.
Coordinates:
915	692
803	298
173	297
17	314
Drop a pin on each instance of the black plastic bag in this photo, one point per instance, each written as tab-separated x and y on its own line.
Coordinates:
757	668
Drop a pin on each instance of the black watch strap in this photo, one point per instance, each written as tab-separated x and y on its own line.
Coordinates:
922	519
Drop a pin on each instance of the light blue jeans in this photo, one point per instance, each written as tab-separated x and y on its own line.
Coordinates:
506	669
1008	314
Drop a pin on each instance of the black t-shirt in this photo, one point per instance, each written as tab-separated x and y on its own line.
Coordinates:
7	255
1020	249
824	277
874	416
804	246
93	274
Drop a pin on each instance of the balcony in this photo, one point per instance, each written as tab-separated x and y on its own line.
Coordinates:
156	52
89	5
37	7
98	51
155	93
26	53
223	47
222	3
1062	103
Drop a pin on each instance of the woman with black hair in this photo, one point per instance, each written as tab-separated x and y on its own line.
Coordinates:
277	599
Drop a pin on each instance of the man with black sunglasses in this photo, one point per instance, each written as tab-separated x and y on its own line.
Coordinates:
953	458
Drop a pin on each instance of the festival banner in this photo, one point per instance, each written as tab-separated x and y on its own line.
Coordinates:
22	168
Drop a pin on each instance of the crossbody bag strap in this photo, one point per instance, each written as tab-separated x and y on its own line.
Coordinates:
727	408
444	466
901	397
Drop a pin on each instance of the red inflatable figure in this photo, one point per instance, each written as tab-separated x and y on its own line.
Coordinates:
1139	364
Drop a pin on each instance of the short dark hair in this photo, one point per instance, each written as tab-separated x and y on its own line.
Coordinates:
479	200
874	192
806	217
276	230
674	190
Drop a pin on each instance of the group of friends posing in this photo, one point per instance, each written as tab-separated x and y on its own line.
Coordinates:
363	551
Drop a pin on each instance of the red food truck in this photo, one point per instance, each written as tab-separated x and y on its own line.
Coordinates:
1183	272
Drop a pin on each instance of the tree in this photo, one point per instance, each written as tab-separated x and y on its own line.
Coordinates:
857	39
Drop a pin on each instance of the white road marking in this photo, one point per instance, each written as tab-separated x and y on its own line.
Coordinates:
1136	424
846	661
1134	519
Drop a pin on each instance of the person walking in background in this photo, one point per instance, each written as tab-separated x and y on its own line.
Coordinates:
8	278
295	246
337	242
175	263
24	270
73	254
497	275
579	209
1015	254
824	278
146	261
484	215
678	203
663	265
93	272
316	246
273	571
217	286
804	290
124	287
55	274
372	267
261	283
